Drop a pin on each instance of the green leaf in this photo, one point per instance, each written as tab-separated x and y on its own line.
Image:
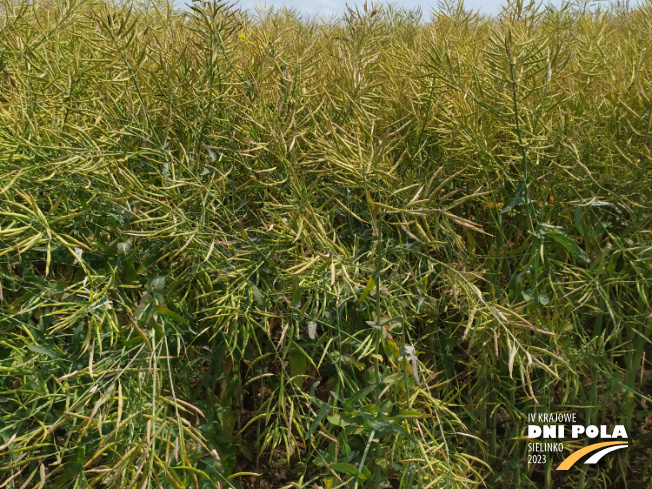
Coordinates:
158	283
539	298
212	155
516	199
349	469
258	296
571	246
298	365
323	412
48	352
407	413
351	401
370	286
600	203
342	421
578	220
485	156
172	315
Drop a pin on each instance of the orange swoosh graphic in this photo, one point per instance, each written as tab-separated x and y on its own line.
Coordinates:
574	457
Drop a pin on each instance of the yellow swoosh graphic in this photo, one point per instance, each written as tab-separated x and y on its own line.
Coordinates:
574	457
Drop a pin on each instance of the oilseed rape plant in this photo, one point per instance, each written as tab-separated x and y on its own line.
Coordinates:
262	250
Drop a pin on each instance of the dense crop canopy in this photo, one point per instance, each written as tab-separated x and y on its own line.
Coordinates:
264	251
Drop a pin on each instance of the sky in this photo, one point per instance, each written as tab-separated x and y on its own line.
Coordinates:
330	8
337	7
